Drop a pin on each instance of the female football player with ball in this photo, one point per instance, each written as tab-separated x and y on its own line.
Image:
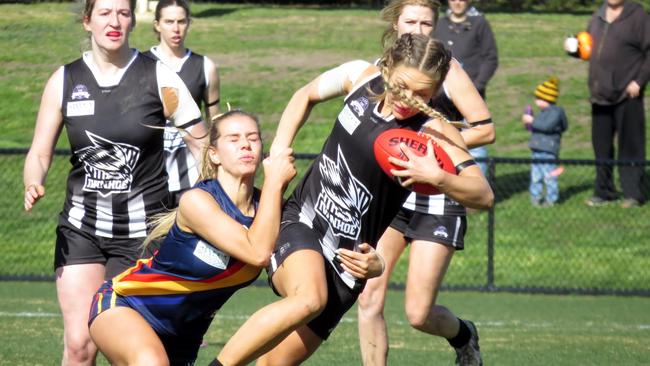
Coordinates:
324	253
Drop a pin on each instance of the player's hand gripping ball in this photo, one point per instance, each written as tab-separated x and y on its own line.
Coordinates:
579	45
387	144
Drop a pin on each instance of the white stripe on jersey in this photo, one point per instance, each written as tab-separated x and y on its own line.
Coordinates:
425	204
171	164
77	211
192	167
137	217
208	66
104	223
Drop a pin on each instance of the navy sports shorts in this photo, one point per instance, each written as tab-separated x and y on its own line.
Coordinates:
340	298
447	230
181	349
74	246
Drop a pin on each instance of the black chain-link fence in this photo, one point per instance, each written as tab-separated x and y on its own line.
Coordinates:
568	247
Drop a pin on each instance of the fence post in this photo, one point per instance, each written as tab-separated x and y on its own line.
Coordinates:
491	177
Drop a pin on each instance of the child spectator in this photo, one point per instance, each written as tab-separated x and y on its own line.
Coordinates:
546	128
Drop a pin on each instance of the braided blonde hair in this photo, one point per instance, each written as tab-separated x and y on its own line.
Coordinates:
162	223
423	53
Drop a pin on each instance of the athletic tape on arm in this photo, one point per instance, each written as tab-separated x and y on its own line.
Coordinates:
187	109
332	82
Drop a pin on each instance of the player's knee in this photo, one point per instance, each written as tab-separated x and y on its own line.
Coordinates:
148	356
418	318
79	348
313	304
311	300
419	314
370	304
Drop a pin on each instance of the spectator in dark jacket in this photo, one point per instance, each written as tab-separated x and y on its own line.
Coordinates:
619	69
547	128
469	36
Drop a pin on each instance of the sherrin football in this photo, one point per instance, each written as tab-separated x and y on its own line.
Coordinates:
387	144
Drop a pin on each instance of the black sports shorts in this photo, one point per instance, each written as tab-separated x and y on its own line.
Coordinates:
447	230
74	246
340	298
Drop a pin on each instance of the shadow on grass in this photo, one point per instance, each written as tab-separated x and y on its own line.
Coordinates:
214	12
508	185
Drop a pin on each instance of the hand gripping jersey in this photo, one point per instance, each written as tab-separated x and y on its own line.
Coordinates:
344	195
180	163
117	178
188	280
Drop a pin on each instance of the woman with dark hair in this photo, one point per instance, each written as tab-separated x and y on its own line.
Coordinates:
200	75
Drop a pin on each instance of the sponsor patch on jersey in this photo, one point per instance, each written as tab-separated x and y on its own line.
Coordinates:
211	255
80	108
441	231
79	92
348	120
343	199
108	165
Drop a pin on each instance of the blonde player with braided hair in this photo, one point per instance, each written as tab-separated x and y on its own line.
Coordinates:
330	224
156	312
433	226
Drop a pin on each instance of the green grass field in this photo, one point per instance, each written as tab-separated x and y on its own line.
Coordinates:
267	52
514	329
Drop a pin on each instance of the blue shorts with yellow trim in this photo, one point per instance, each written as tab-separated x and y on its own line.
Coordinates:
105	299
181	349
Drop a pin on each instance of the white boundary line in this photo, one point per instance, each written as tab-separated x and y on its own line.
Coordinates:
490	324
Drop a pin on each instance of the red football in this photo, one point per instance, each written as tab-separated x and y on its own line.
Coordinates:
387	144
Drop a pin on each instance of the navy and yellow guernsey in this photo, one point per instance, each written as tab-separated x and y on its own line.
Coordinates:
179	289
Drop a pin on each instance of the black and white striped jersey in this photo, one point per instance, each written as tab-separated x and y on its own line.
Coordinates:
180	163
115	127
344	196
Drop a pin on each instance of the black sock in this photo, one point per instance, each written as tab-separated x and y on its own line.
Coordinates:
463	336
215	362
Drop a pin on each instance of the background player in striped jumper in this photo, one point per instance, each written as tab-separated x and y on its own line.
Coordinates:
157	312
200	75
113	102
333	219
434	225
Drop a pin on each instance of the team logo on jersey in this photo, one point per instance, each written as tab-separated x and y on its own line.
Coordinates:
441	231
173	139
359	106
348	116
79	92
343	200
108	165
